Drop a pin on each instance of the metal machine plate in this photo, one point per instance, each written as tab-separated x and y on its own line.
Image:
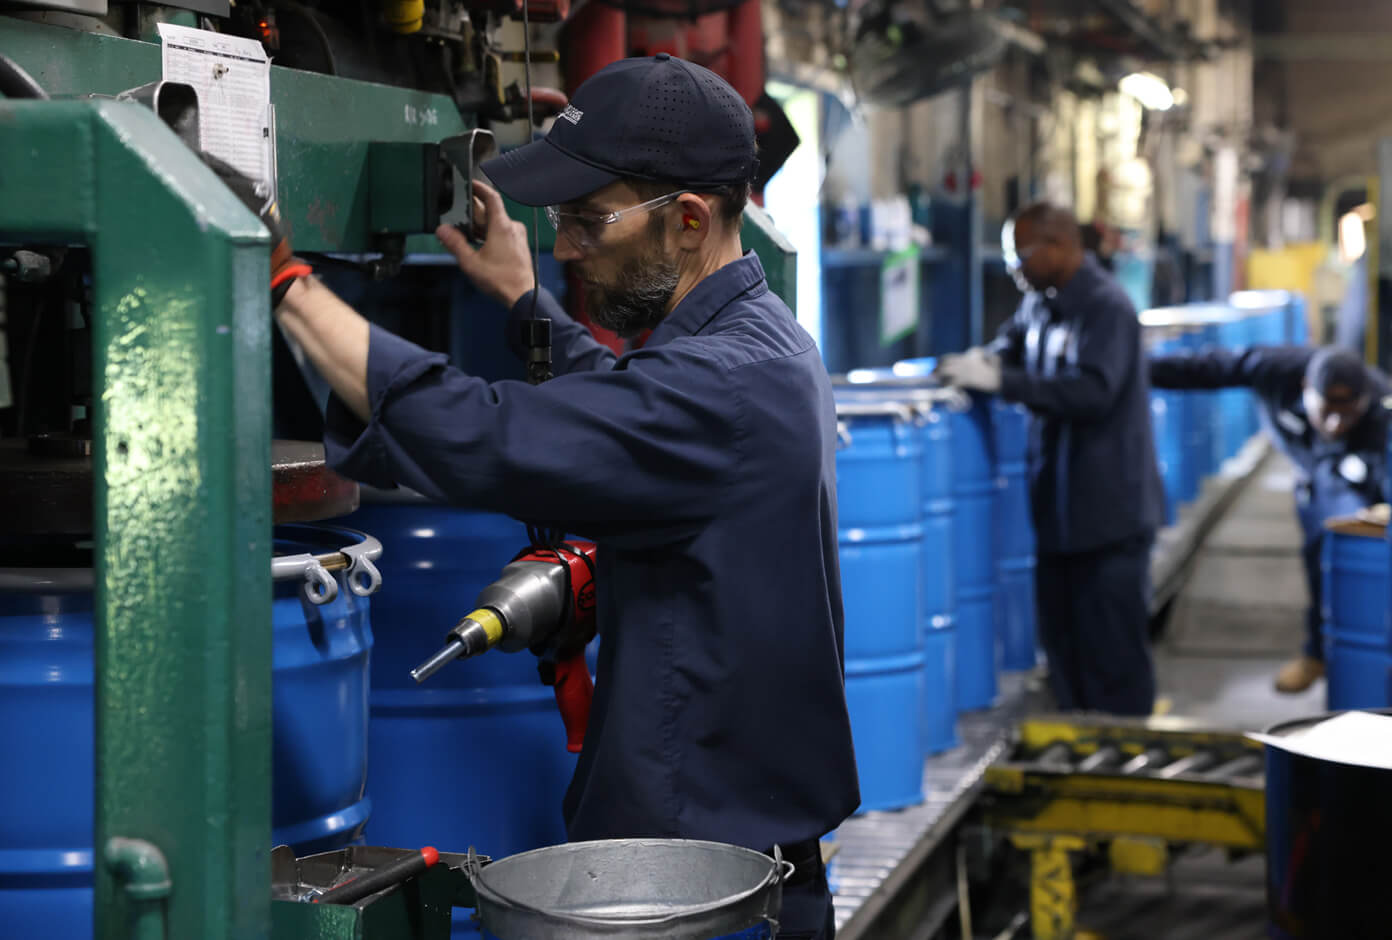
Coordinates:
52	495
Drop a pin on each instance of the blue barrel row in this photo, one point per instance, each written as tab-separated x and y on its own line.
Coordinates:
319	733
1196	431
945	580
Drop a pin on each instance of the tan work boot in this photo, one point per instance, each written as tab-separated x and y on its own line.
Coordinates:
1299	674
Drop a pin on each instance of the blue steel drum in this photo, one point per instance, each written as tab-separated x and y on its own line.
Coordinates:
320	656
1235	414
474	756
1168	414
939	581
1354	614
880	532
1192	415
933	423
1014	535
974	486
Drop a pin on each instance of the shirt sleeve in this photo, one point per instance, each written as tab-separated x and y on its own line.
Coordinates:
1269	370
648	446
1088	381
573	348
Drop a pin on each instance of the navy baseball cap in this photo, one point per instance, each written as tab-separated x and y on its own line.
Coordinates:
655	118
1331	366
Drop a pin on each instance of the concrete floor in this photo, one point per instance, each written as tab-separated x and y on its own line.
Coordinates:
1237	620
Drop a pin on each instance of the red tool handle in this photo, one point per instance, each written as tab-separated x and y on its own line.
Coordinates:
574	692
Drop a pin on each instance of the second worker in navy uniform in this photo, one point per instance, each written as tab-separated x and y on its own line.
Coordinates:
1072	354
1323	409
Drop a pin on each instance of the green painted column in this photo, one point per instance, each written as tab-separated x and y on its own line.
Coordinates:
776	253
182	503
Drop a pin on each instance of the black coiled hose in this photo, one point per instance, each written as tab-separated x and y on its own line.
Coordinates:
17	83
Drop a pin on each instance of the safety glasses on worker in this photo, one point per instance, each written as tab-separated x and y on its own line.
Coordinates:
584	229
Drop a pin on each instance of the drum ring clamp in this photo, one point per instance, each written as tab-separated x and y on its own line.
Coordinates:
321	587
363	577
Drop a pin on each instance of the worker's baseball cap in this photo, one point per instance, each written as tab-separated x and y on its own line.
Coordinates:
1333	366
655	118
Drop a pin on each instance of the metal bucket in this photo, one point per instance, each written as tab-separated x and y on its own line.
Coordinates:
1357	645
634	889
1327	828
880	535
319	714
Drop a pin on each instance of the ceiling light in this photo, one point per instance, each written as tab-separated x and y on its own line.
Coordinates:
1149	89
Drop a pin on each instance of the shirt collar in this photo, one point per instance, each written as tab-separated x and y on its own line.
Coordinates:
708	298
1078	287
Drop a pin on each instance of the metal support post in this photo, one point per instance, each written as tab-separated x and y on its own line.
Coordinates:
1053	894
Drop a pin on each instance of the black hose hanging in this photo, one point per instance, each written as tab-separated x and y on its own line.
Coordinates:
17	83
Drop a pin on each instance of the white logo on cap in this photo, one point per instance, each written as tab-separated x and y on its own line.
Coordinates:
572	114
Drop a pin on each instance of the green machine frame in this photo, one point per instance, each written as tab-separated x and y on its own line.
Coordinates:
326	128
181	452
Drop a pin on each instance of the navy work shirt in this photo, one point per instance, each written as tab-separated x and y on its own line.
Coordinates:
1333	478
1074	359
704	467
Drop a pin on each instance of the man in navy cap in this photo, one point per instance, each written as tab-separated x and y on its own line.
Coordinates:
1323	410
703	464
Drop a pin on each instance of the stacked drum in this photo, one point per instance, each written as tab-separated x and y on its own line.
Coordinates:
1357	637
880	531
1014	538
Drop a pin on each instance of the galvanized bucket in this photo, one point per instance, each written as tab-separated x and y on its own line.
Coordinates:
636	889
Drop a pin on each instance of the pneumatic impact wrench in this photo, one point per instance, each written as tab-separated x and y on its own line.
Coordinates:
543	601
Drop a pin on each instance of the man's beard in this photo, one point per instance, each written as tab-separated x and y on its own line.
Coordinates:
637	297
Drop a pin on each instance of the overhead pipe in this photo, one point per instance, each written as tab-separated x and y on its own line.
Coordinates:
595	36
747	69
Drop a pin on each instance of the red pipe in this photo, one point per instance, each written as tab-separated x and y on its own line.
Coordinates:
594	37
746	59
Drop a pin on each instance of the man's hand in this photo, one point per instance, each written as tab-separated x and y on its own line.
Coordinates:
502	268
267	209
974	369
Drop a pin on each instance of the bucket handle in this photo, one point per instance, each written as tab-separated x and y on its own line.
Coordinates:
320	587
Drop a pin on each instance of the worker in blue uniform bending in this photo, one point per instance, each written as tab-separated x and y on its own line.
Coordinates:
1072	354
703	464
1322	408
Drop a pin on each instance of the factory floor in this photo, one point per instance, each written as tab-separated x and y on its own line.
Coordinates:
1237	619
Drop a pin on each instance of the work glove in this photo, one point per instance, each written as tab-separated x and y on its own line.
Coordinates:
974	369
285	267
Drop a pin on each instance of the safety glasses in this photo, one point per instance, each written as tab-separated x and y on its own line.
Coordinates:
585	229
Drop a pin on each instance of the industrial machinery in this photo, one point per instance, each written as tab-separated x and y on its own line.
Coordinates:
141	388
1136	790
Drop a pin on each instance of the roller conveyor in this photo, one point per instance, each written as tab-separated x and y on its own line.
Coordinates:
881	858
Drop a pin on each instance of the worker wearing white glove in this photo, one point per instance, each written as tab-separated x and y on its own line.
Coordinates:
1072	354
976	369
